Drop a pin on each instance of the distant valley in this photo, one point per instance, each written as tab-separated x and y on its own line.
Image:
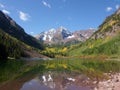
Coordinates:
104	41
58	59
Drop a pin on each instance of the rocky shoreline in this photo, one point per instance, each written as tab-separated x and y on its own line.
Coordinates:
113	83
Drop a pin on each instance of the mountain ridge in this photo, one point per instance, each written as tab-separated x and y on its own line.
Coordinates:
105	41
12	28
109	27
63	36
15	42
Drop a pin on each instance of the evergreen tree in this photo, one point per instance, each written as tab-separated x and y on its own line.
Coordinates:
3	53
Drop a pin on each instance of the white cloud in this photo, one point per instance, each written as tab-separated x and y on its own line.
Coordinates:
2	6
24	16
108	9
46	4
31	32
117	6
5	11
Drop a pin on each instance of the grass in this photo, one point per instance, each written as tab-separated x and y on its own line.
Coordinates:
109	47
28	69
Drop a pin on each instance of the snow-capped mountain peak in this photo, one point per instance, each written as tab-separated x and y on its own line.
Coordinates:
47	35
62	28
52	31
63	35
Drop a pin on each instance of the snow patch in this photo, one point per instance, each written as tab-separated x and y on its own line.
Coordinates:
45	37
50	38
52	30
71	36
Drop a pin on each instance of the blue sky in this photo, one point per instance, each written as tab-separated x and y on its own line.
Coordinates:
36	16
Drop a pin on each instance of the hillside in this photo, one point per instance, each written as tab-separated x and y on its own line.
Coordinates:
13	48
105	41
9	47
14	42
9	26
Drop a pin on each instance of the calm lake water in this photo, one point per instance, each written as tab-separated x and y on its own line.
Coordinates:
54	82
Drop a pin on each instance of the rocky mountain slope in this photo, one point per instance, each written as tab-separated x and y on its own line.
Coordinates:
110	27
64	36
14	42
105	41
12	28
11	47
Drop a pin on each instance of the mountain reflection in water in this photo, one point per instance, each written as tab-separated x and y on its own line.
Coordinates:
47	82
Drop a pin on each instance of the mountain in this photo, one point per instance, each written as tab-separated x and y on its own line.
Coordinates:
12	28
105	41
14	42
84	34
11	47
64	36
110	27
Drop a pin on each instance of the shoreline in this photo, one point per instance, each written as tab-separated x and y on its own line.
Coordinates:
113	83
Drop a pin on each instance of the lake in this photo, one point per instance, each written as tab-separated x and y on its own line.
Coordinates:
55	81
54	74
